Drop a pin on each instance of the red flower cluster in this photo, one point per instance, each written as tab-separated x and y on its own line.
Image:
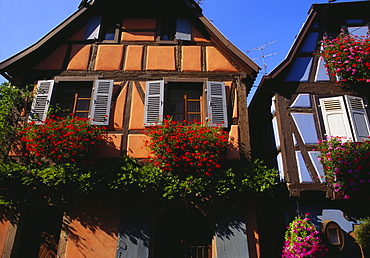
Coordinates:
348	57
62	140
186	147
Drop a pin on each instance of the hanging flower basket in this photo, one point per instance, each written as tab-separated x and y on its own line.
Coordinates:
302	240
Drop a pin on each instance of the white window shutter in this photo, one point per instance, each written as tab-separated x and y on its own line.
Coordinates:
154	98
183	29
93	28
358	117
335	117
100	106
41	102
217	104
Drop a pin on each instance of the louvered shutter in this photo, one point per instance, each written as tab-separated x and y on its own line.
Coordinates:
41	102
154	98
183	29
358	117
100	107
93	28
335	117
217	104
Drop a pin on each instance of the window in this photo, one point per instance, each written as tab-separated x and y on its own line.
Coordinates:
345	116
300	70
98	28
88	99
334	234
73	97
184	101
357	27
203	101
171	29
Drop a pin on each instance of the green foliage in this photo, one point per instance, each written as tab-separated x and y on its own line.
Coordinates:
11	100
362	233
240	177
125	174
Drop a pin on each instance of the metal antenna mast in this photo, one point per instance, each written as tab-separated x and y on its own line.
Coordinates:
261	48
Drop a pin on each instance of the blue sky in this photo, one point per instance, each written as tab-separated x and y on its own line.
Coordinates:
246	23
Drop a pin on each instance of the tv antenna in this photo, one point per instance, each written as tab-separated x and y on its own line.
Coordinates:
261	48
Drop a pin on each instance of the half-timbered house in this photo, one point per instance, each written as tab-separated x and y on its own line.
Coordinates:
295	106
123	64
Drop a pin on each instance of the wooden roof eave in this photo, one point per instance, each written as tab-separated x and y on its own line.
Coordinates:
292	52
11	60
241	59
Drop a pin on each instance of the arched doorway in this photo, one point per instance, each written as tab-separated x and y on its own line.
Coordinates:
182	232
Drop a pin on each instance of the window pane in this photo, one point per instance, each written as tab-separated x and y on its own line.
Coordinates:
334	236
168	28
82	114
177	107
306	127
304	175
310	43
83	104
321	73
314	156
300	71
66	105
177	117
302	101
176	94
193	106
193	94
84	92
358	31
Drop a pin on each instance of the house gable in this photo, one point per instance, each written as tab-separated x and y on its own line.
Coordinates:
288	112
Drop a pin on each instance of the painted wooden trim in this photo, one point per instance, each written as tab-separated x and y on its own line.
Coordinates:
140	91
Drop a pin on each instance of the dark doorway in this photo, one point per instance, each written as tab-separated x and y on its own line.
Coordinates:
39	233
182	232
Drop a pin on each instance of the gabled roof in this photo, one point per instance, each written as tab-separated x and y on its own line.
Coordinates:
328	12
57	33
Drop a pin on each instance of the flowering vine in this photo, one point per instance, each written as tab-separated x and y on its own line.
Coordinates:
347	166
348	56
62	140
302	240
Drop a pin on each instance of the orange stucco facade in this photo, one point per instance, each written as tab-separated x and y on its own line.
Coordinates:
109	57
4	229
54	61
134	58
79	58
191	58
86	238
